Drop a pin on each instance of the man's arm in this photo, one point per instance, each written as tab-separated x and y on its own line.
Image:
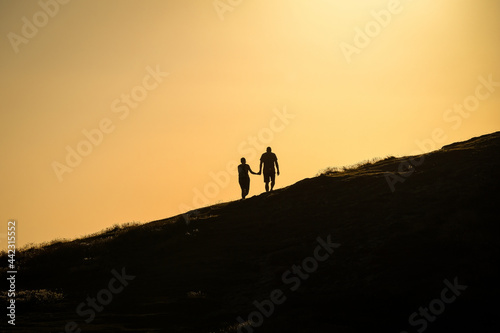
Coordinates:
277	166
260	167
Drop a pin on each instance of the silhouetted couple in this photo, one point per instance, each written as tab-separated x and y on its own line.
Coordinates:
268	160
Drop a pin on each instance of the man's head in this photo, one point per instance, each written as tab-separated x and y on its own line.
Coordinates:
243	160
268	149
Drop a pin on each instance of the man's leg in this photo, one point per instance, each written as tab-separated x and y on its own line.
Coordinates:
266	180
273	178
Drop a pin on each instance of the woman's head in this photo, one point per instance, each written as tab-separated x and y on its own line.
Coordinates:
243	160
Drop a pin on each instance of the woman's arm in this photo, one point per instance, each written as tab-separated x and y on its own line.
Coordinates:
250	169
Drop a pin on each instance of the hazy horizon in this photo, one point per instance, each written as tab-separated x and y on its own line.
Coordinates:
128	111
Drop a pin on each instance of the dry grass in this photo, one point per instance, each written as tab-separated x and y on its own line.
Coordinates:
354	167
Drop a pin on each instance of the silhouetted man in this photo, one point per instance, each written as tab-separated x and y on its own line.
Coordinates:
244	178
269	159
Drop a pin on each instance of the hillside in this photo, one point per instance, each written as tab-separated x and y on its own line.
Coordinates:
430	243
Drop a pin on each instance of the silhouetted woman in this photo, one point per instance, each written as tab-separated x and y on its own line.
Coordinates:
244	178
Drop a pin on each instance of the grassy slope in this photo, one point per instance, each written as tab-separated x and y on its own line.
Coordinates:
396	250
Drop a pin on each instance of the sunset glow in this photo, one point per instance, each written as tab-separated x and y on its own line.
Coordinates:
120	111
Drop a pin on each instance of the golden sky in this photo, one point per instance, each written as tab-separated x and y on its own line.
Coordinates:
118	111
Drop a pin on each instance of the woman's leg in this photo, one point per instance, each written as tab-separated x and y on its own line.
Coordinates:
242	188
245	186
